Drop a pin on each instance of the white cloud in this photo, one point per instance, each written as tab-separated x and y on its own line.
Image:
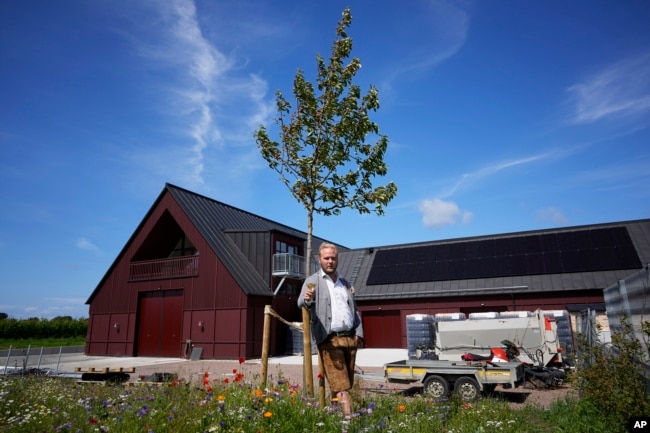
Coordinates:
469	179
622	89
213	103
85	244
552	215
448	25
437	213
48	308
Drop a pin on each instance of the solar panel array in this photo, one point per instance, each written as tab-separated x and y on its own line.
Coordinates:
547	253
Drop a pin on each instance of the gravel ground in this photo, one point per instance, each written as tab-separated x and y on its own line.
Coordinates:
371	381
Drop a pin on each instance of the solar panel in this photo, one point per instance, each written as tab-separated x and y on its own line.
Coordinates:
549	253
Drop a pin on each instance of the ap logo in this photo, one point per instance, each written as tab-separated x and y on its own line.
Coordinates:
639	424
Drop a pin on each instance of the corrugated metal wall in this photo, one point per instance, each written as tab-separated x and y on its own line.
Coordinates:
629	297
212	299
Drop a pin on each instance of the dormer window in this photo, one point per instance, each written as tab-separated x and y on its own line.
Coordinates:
283	247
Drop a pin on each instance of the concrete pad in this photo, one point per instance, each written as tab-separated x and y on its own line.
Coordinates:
69	361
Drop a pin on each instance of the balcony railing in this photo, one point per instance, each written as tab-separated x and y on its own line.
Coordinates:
175	267
291	265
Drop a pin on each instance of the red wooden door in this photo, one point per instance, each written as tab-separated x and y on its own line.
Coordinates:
382	329
160	323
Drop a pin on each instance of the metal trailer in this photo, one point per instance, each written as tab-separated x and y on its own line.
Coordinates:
467	379
535	336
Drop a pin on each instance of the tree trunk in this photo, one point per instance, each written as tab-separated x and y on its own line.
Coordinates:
306	325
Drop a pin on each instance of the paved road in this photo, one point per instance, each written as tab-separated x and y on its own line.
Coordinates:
66	359
69	359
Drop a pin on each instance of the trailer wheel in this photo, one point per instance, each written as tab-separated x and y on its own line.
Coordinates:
467	388
436	386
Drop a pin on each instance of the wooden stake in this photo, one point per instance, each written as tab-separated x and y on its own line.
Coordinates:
321	382
307	361
266	339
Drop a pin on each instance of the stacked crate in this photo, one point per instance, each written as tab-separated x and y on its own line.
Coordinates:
420	336
484	315
514	314
294	342
448	317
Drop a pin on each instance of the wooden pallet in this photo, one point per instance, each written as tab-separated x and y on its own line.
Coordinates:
104	370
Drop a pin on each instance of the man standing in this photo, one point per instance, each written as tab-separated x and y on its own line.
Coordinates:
335	324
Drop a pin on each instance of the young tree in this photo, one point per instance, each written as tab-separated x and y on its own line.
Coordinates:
322	155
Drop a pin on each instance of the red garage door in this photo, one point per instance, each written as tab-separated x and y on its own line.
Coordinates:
160	323
382	329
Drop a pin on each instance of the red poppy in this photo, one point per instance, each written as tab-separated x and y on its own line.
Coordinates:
226	380
242	360
94	420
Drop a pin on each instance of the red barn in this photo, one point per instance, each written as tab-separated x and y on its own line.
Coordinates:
197	272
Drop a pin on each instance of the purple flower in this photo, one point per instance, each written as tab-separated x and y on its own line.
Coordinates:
144	411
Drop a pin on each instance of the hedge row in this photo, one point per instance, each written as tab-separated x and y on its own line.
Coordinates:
59	327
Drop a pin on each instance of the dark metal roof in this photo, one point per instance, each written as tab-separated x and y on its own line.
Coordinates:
214	220
358	264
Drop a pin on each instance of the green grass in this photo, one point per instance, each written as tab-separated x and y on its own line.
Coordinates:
23	343
204	404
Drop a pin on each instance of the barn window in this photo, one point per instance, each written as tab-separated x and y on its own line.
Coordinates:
283	247
183	247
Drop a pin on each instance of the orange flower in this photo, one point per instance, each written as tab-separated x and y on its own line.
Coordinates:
401	408
258	392
268	414
221	397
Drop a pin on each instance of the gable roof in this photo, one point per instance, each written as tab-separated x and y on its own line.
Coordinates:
571	258
214	220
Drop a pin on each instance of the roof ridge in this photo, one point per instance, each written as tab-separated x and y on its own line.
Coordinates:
171	186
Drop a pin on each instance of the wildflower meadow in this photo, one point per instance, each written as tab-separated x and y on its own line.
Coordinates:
237	403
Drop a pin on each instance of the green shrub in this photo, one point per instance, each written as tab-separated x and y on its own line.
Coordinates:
35	328
611	377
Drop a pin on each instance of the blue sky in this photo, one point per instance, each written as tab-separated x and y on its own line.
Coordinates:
502	116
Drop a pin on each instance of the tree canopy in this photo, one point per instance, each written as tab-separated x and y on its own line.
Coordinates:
322	155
